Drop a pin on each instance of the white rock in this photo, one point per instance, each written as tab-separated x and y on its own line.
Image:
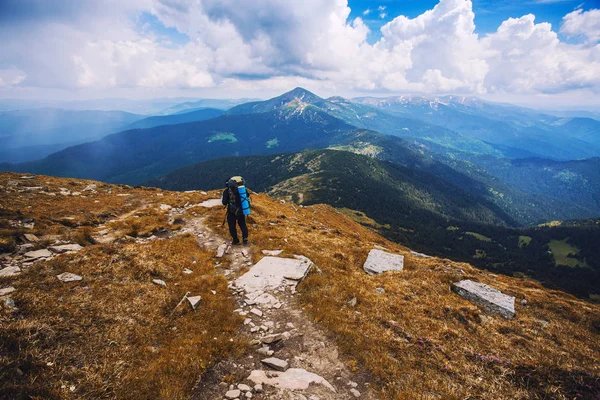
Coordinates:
68	277
271	339
194	301
256	312
275	363
165	207
265	351
355	393
264	298
159	282
211	203
221	250
10	272
272	252
233	394
34	255
258	388
272	272
244	388
30	237
63	248
313	397
380	261
492	300
292	379
187	271
414	253
7	290
89	188
248	395
247	321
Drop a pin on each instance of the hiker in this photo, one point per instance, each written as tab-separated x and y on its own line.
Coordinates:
237	200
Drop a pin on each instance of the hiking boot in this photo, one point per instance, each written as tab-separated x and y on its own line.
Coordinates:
245	240
235	242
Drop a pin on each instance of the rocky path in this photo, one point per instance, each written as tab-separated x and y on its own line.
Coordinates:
289	357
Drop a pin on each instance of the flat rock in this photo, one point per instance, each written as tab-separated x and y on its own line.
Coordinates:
492	300
68	277
165	207
63	248
7	290
380	261
10	272
256	312
211	203
275	363
221	250
244	388
292	379
194	301
34	255
30	237
414	253
159	282
233	394
272	272
272	252
271	339
264	299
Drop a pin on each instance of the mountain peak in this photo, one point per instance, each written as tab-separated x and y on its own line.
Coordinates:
300	94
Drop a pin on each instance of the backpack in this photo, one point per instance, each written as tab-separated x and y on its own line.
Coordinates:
238	196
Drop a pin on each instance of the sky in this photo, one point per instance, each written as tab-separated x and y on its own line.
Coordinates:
537	52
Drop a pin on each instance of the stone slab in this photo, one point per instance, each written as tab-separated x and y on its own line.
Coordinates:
159	282
30	237
292	379
275	363
10	272
233	394
272	252
492	300
272	272
63	248
194	301
44	253
7	290
379	261
68	277
414	253
211	203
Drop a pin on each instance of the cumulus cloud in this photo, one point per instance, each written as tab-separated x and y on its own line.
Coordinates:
581	23
367	12
273	43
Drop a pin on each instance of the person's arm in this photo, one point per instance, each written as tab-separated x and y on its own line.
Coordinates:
225	197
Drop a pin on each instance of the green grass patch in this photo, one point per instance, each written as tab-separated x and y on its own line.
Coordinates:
565	254
524	241
479	236
223	136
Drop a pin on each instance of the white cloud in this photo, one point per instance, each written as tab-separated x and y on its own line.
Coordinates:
581	23
254	46
367	12
11	76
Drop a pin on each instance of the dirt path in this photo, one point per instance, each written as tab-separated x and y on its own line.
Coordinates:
295	339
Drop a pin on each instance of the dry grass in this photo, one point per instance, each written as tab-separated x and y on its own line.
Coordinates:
419	339
114	334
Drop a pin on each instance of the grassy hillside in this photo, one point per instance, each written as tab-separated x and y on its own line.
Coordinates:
192	116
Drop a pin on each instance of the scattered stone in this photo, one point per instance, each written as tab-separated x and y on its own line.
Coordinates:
352	384
187	271
245	253
275	363
233	394
353	302
414	253
247	321
89	188
194	301
65	247
256	312
159	282
380	261
10	272
271	339
10	305
68	277
265	351
272	252
27	177
211	203
292	379
524	302
7	290
34	255
258	388
380	290
272	272
355	393
313	397
165	207
244	388
264	298
248	395
30	237
221	250
492	300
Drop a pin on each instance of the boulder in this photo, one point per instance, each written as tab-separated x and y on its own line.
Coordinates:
10	272
379	261
272	272
34	255
292	379
63	248
275	363
492	300
68	277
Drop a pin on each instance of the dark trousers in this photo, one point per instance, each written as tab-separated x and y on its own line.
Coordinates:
241	220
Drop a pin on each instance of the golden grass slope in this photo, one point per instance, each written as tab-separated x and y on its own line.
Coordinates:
112	337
